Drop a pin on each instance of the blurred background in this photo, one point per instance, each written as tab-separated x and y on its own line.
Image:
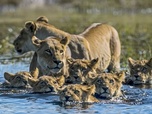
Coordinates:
131	18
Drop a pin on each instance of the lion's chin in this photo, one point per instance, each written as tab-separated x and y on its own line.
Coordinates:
56	70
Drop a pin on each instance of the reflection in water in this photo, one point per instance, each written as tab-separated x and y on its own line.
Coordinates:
144	86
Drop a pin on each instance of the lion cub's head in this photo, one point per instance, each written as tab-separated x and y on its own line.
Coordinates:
140	71
77	93
79	68
20	79
46	83
51	55
108	85
23	43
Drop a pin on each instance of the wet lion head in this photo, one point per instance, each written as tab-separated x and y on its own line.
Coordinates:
51	55
140	71
77	93
19	79
23	43
46	83
108	85
79	68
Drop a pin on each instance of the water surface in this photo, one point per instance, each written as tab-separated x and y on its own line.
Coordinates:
20	101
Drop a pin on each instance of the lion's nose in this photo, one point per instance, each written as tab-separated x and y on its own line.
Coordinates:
67	98
105	89
136	76
51	89
15	43
58	62
25	82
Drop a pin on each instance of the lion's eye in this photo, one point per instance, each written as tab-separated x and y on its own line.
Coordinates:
64	90
99	81
76	92
48	51
61	51
111	81
144	69
81	68
72	68
18	78
84	69
43	83
55	82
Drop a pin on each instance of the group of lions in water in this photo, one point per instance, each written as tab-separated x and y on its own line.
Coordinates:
79	68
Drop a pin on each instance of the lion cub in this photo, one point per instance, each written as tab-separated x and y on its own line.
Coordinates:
140	71
78	69
77	93
46	83
108	85
19	79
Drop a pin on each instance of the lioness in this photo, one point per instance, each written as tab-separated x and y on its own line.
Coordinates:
46	83
78	69
108	85
77	93
140	71
98	40
19	79
50	58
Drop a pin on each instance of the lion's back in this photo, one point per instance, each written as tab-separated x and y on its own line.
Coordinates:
103	41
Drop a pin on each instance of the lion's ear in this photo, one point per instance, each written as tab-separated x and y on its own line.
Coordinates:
131	62
150	62
9	76
36	42
90	89
60	89
31	26
121	76
35	71
61	80
94	62
32	81
93	78
70	60
42	19
64	41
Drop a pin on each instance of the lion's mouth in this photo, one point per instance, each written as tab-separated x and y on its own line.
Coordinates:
19	51
103	95
54	70
67	99
49	89
139	82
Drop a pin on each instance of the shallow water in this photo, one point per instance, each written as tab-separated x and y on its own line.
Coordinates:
19	101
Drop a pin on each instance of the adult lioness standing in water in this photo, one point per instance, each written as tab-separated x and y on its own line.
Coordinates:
98	40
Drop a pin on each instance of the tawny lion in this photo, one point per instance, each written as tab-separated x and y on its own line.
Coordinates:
97	41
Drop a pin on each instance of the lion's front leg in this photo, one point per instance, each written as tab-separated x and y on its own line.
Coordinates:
34	70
